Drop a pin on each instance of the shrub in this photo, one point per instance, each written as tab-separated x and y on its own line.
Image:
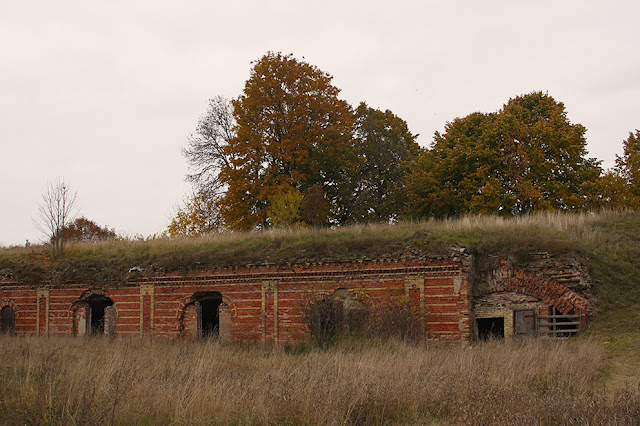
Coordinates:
394	319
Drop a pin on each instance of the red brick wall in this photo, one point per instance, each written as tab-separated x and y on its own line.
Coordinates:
264	303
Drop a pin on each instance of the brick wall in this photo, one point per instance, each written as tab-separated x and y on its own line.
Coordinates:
259	303
545	282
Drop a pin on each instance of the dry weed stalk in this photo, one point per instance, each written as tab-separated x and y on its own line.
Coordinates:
90	381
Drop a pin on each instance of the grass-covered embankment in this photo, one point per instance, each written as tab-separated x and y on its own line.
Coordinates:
112	260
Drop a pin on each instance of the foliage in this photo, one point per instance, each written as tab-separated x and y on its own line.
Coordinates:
384	147
628	167
315	207
83	229
54	213
200	215
205	151
285	209
292	132
394	319
526	157
325	319
614	192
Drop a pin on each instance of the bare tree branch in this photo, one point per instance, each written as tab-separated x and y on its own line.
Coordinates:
55	211
205	151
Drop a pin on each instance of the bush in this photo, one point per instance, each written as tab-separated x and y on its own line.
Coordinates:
325	319
395	319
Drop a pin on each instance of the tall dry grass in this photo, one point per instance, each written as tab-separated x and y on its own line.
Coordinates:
141	381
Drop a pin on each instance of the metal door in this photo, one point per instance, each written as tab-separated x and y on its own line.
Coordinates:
524	323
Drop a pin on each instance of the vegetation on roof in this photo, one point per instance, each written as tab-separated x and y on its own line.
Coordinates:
111	260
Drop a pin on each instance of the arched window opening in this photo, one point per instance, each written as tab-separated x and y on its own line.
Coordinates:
7	320
210	324
336	313
95	314
98	305
202	316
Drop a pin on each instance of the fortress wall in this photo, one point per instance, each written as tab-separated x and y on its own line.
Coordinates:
263	303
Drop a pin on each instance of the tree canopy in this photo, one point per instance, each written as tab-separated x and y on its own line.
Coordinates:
384	149
621	188
292	132
83	229
205	151
288	151
199	215
628	165
526	157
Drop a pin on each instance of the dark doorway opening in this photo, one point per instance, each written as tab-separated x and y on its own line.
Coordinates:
7	320
490	328
208	316
98	304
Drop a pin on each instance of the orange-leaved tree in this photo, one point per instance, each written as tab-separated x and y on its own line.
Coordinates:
292	132
83	229
200	215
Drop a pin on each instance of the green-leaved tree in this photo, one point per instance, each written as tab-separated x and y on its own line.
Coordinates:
526	157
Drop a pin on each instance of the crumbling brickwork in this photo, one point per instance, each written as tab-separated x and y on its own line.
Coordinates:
265	303
543	285
257	303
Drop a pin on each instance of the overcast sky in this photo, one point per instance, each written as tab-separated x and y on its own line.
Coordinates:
104	94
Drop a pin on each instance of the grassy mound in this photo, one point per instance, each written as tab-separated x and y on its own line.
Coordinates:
609	242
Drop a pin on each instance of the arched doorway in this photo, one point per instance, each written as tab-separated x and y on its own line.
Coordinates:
7	320
99	307
201	315
95	314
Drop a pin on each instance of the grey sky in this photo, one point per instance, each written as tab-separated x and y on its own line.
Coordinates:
104	94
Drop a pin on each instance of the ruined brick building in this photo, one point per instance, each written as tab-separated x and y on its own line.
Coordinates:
452	297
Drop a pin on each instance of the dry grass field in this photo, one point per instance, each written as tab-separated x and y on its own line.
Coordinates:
143	381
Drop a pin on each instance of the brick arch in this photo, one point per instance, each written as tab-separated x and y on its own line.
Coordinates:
546	289
190	299
360	295
357	294
84	296
11	304
94	291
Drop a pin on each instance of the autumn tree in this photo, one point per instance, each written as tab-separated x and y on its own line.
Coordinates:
315	207
55	211
292	132
285	209
628	168
444	179
199	215
83	229
614	192
526	157
384	147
